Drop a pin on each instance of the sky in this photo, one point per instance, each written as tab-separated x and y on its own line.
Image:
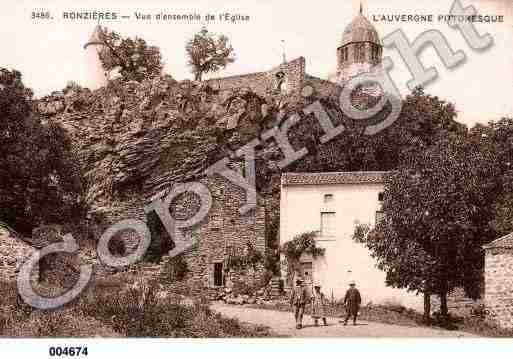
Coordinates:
49	53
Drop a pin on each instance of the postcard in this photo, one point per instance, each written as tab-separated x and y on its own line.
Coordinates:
218	169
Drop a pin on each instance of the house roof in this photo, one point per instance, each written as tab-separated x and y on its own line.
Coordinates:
502	242
308	178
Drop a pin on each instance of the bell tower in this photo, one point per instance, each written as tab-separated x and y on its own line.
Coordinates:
359	50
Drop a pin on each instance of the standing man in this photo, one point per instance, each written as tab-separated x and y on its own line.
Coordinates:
298	301
352	302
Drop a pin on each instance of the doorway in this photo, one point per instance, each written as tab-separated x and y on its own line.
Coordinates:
218	274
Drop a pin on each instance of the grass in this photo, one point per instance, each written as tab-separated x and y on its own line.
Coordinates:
109	309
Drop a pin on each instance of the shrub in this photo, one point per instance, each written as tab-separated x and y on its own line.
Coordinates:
138	312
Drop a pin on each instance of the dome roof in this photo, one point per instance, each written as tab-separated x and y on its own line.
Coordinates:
360	30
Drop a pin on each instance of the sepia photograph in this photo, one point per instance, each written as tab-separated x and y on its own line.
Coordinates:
254	170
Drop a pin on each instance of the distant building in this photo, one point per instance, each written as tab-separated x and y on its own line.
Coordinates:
333	203
359	51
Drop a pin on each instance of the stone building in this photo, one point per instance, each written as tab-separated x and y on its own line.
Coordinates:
498	273
222	234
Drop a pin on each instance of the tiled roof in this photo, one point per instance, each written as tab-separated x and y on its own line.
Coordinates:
502	242
360	30
307	178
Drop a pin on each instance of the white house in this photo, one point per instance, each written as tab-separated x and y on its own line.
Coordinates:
333	203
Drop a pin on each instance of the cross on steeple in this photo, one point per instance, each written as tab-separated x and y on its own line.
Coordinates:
361	8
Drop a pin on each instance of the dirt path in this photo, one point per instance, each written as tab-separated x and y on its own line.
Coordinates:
282	323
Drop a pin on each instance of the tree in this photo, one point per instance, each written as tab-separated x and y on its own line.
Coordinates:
208	53
496	138
422	117
39	179
133	59
437	207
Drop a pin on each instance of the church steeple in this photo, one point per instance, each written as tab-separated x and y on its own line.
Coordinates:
360	48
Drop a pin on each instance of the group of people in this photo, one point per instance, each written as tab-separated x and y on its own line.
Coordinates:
301	297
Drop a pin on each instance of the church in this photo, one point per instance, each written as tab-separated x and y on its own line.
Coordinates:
358	51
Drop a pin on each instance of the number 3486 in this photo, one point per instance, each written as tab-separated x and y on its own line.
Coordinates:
67	351
41	15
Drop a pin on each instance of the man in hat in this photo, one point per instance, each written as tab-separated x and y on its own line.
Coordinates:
298	300
352	302
318	305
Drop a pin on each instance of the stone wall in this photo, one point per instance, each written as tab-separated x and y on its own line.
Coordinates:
499	285
267	83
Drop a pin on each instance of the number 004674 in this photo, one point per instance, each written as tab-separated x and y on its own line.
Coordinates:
67	351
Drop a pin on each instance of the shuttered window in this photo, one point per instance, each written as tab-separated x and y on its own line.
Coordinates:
327	224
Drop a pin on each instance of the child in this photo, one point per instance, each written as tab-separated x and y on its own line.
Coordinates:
318	304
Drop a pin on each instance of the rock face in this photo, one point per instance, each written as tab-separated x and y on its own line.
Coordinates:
141	137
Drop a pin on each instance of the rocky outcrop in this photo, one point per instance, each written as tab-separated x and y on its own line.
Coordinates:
141	137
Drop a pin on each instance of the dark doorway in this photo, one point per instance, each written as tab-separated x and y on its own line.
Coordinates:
218	274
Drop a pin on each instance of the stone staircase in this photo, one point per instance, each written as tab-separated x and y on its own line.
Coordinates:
276	285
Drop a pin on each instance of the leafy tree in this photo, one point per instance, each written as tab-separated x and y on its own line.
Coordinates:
495	138
422	117
437	207
134	59
208	53
293	249
39	179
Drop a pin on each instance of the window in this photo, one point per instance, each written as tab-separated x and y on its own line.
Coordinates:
327	224
218	274
328	198
345	54
381	196
375	53
360	53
